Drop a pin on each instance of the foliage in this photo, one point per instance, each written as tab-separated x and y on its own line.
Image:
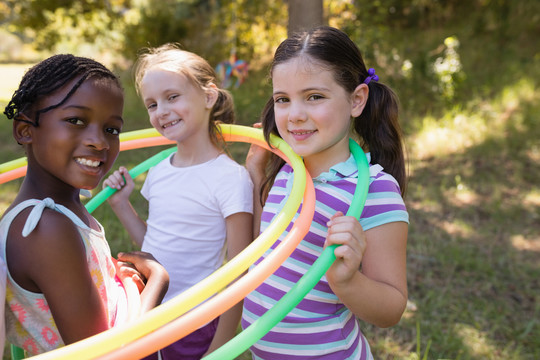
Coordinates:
473	195
48	23
120	28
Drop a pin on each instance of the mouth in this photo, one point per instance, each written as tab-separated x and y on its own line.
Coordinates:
301	135
302	132
169	124
89	163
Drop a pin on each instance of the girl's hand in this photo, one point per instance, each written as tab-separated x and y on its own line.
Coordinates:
157	278
122	181
128	270
347	232
138	263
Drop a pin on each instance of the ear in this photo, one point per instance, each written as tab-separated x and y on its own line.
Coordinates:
23	129
359	99
211	93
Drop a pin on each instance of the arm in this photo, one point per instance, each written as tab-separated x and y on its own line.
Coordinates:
256	161
154	275
52	261
378	292
239	236
119	202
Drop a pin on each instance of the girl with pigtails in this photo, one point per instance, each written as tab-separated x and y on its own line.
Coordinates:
323	94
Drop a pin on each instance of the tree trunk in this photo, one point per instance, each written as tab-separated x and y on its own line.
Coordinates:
304	15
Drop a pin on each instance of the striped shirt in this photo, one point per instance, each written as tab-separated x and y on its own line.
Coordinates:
320	326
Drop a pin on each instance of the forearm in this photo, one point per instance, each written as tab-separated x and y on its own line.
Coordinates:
227	326
373	301
156	287
134	225
257	179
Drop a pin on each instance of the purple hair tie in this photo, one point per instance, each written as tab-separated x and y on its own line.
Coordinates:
371	76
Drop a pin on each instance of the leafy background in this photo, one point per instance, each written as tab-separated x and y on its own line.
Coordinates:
467	74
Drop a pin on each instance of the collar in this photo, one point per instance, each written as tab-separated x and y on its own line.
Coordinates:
341	170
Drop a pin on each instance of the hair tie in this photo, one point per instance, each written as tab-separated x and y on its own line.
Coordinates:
371	76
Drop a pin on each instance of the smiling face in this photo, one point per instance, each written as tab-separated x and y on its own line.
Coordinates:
77	142
178	109
313	112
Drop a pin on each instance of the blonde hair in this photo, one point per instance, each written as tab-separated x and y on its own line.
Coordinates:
171	57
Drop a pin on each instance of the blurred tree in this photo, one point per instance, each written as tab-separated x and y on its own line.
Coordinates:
212	28
304	15
153	23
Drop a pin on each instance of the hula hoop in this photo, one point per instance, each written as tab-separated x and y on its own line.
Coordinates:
13	164
272	317
114	338
100	197
124	137
231	295
15	169
14	173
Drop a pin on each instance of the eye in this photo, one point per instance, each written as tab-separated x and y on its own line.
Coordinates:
150	106
113	131
281	99
172	97
315	97
75	121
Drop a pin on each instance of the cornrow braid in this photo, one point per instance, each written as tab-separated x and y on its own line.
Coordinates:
48	76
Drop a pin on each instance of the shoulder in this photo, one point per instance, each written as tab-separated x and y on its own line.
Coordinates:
227	162
233	170
380	181
384	203
160	166
54	230
51	248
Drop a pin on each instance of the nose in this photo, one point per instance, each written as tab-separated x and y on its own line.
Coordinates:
95	138
162	111
297	112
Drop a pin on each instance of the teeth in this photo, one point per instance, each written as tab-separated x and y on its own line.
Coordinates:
87	162
301	132
171	124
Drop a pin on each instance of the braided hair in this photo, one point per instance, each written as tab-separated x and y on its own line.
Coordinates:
50	75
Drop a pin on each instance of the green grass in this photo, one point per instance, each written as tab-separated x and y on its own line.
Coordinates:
473	199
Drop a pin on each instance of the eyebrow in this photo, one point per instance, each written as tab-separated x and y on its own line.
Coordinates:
82	107
304	90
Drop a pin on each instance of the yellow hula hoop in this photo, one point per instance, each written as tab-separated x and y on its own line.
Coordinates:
114	338
124	137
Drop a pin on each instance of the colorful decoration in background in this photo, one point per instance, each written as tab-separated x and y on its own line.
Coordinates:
231	69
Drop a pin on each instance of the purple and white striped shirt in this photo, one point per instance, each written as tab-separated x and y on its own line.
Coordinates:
320	326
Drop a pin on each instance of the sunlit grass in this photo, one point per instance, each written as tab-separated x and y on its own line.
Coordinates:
472	123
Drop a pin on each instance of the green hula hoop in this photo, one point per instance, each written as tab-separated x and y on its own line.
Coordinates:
272	317
100	197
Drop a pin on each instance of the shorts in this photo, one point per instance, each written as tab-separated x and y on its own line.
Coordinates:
190	347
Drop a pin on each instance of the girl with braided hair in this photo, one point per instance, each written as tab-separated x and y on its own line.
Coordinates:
62	284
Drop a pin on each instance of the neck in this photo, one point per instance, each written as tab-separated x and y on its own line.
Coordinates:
321	162
193	155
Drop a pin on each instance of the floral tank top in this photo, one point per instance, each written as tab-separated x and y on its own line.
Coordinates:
28	319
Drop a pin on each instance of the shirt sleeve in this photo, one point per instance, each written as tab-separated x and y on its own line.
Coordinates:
236	192
384	203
